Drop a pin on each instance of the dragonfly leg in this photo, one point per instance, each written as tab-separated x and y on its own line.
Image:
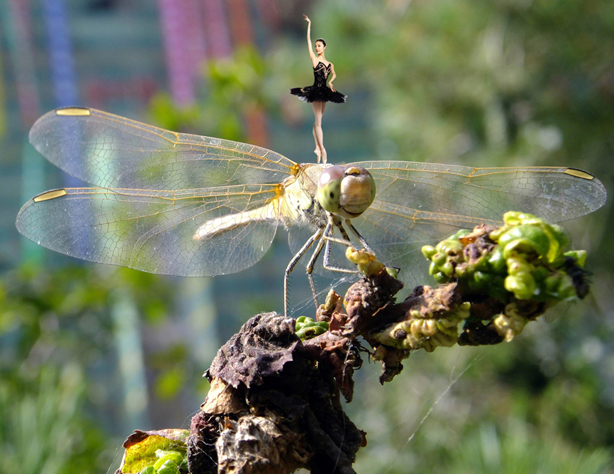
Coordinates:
326	239
344	234
347	243
327	264
329	241
362	240
313	259
314	293
293	263
318	249
346	239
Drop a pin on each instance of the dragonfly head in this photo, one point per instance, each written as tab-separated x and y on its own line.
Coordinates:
347	191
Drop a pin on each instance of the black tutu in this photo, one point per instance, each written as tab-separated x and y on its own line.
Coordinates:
319	92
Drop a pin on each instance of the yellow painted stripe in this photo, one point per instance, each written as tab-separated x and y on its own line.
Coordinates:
56	193
73	111
579	174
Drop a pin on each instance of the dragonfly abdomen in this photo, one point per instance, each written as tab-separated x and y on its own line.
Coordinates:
216	226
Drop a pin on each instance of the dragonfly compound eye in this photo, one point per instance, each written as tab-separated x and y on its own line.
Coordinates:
357	191
329	187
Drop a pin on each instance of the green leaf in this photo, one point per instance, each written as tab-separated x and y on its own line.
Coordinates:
142	447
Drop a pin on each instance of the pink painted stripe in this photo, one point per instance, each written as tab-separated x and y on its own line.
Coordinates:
240	22
195	45
175	40
23	58
215	26
269	12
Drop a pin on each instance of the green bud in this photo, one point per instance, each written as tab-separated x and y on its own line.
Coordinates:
313	331
561	287
169	467
540	273
518	218
148	470
497	261
496	234
447	268
306	328
449	246
439	258
552	283
496	288
509	324
460	234
475	285
393	272
464	309
512	218
517	265
481	278
560	236
440	277
480	264
462	270
167	456
522	285
428	251
525	239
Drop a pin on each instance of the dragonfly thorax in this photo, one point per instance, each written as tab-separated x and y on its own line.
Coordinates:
346	191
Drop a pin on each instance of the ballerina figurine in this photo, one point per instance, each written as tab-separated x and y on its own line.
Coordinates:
319	93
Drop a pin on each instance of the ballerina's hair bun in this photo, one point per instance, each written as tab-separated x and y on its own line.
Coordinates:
321	40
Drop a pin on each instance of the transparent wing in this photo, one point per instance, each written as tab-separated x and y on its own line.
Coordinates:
421	203
156	231
556	194
114	152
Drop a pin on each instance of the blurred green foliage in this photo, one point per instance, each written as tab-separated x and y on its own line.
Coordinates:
518	450
231	86
43	427
56	335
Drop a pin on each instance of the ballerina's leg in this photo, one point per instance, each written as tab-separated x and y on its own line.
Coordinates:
318	110
315	139
322	149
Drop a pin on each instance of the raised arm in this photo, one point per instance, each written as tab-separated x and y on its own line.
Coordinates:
332	77
312	55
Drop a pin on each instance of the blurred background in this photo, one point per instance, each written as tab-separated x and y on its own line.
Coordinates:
89	353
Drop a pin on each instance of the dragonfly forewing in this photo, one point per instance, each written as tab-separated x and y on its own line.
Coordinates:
553	193
115	152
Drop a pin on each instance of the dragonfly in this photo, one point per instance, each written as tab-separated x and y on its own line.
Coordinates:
188	205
